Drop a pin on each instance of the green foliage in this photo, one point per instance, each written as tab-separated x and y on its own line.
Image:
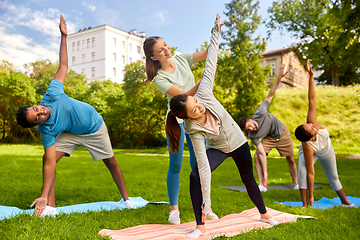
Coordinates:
81	180
329	34
16	90
240	72
141	113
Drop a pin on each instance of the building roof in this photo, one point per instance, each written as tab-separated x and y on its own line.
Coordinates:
274	52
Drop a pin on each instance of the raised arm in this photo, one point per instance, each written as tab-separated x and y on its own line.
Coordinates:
199	56
311	116
63	57
276	83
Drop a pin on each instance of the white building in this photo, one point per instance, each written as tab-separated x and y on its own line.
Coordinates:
101	53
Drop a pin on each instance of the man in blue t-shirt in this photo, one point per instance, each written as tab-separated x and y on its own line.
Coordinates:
273	134
65	123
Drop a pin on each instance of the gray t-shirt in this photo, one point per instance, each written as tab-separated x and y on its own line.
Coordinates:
269	125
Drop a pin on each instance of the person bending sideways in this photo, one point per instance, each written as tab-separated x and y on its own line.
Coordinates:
274	134
172	76
65	123
316	145
207	120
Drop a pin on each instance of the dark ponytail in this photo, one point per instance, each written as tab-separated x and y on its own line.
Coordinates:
152	67
173	130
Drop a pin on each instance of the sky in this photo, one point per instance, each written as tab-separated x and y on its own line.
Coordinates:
29	28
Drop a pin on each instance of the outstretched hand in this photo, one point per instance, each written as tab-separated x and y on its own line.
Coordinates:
40	205
219	25
62	26
308	67
281	70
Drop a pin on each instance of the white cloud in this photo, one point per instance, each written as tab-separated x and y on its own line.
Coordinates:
89	6
18	49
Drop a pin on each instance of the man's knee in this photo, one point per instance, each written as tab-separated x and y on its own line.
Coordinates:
290	159
111	163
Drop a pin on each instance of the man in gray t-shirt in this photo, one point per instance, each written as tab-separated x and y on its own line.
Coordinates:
273	134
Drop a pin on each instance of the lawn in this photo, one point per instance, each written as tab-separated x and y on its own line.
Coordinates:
80	180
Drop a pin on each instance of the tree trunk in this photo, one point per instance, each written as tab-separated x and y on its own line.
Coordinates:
335	76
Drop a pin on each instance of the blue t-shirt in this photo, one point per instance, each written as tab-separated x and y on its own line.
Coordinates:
67	114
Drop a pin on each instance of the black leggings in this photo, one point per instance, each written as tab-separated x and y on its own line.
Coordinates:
243	160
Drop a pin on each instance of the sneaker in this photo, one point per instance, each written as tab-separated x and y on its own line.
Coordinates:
129	205
296	187
174	217
213	216
49	211
351	205
195	234
262	188
270	221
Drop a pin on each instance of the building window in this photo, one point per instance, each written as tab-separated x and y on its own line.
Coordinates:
74	46
83	44
296	76
123	43
93	72
83	71
114	55
93	42
93	56
83	58
272	73
114	39
130	47
290	73
78	45
123	58
300	76
88	42
130	60
73	60
114	70
138	49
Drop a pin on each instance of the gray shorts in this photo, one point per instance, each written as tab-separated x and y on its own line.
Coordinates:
98	143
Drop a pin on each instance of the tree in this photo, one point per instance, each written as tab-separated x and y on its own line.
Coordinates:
16	90
140	114
239	72
329	35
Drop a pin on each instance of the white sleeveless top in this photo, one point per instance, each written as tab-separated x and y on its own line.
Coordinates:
322	143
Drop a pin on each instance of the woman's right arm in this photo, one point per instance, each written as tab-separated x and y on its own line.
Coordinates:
198	141
309	155
311	116
175	90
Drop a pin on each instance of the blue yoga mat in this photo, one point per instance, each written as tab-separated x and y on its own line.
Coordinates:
324	203
6	212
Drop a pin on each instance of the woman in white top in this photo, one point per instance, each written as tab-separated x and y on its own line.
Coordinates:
173	76
316	145
206	119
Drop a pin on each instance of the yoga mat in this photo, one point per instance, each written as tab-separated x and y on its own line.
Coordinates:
324	203
289	186
229	225
6	212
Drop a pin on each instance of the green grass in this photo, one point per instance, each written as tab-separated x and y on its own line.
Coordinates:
80	180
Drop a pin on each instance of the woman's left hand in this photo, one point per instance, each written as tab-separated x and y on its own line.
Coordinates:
220	25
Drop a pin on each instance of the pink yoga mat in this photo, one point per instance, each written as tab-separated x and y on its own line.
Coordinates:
229	225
